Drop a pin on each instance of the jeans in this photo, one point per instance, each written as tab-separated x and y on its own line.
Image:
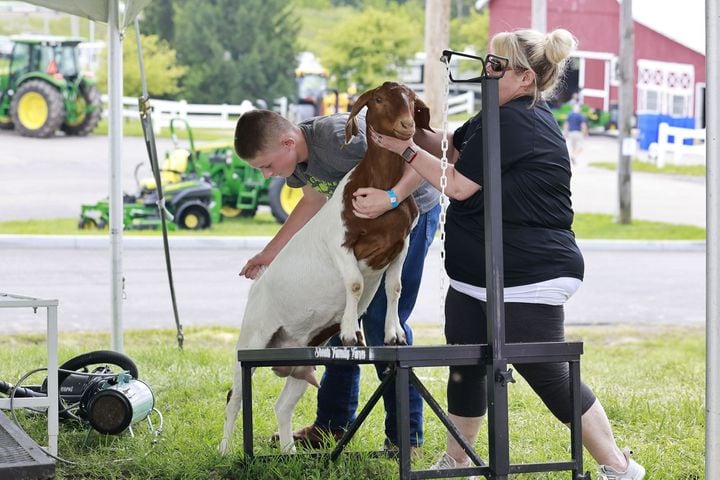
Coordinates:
340	384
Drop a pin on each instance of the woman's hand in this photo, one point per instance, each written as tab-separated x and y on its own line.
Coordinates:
256	264
389	142
370	202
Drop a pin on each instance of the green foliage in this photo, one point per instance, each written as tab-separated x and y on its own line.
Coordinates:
470	31
368	48
237	50
314	4
162	70
315	22
158	18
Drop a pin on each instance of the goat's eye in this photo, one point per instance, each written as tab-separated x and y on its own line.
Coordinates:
378	100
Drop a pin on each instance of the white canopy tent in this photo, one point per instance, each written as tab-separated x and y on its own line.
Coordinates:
118	14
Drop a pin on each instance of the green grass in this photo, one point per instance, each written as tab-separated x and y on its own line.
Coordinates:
262	225
587	225
133	128
650	381
638	166
602	226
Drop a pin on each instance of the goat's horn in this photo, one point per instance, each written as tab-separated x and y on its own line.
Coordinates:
351	127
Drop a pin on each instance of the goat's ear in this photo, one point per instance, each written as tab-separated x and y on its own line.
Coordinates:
422	115
351	127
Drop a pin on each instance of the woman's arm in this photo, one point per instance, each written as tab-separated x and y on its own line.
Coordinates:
459	187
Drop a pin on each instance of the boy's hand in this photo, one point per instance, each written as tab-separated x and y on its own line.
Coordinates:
370	202
256	264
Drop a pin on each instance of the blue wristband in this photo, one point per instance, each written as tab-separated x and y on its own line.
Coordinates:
393	198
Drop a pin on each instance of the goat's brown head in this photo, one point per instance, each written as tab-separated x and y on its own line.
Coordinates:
393	109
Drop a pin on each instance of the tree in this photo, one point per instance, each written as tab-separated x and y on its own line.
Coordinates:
367	49
158	18
237	50
470	31
162	71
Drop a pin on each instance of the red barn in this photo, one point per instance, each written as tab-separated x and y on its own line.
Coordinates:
669	68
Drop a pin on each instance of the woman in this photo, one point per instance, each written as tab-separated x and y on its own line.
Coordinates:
543	265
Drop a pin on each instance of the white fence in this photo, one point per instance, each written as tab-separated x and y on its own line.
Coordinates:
225	116
197	115
681	153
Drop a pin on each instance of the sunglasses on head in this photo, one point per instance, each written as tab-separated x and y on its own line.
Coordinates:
493	66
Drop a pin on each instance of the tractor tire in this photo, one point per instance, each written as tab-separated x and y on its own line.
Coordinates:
86	121
282	199
193	217
37	109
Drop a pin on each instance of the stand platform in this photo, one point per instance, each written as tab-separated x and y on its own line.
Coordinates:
402	360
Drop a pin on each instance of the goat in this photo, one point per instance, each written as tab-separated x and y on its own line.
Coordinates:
328	273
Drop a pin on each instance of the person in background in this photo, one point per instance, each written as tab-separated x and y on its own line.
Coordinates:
543	266
575	130
313	156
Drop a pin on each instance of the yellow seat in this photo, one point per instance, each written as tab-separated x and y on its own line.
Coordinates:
171	171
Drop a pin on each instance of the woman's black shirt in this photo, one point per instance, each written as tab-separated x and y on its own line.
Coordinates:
538	242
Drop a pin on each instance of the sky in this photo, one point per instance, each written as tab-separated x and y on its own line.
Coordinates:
680	20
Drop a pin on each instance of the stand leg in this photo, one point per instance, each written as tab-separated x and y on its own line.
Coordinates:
402	397
52	346
377	394
247	411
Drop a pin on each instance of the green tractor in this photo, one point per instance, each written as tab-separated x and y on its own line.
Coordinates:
42	89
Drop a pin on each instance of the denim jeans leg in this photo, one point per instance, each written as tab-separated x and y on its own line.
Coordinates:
337	398
374	322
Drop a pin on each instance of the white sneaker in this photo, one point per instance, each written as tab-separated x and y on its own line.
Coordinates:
634	470
446	461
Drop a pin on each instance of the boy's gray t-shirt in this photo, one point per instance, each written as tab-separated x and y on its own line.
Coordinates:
329	159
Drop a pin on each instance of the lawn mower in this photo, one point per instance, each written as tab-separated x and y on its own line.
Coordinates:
202	184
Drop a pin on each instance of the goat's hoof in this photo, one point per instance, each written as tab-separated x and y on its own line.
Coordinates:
396	340
224	447
352	340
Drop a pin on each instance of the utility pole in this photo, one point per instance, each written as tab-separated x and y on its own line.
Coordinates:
712	302
539	15
437	39
626	142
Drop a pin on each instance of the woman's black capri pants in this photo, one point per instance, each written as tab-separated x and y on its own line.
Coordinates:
466	323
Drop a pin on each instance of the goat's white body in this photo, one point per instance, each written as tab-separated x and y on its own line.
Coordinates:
313	283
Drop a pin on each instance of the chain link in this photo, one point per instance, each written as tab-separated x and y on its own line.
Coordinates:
444	200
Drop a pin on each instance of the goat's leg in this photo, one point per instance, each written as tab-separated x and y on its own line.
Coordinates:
350	333
231	410
284	407
394	333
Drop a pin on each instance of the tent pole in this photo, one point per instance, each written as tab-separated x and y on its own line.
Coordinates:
712	337
115	91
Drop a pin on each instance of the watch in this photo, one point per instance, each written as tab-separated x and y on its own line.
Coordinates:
409	154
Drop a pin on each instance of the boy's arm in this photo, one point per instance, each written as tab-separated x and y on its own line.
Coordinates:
373	202
310	203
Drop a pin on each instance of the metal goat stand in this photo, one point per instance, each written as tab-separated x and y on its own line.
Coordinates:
496	355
